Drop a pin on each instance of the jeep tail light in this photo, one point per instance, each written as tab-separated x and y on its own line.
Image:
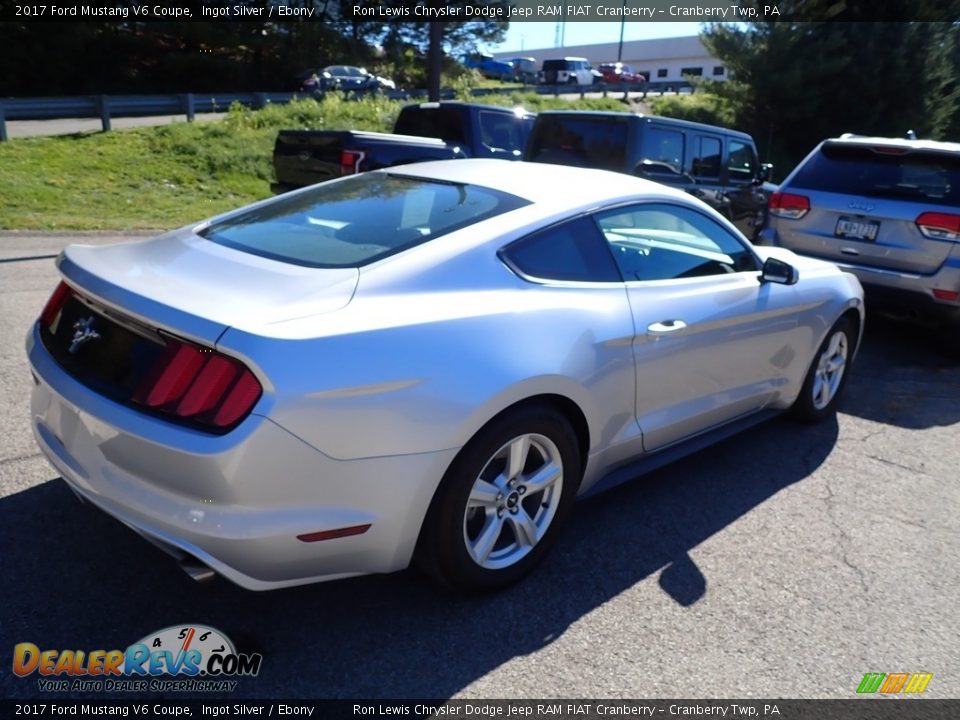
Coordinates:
55	304
946	295
350	161
200	385
939	226
788	205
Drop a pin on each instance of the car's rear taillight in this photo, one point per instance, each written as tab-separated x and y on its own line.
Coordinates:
350	161
788	205
939	226
200	385
55	304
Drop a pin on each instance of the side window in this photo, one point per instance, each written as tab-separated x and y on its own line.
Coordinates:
666	242
573	250
661	72
743	162
706	157
662	151
499	131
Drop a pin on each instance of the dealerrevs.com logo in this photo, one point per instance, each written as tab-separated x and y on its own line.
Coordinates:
180	658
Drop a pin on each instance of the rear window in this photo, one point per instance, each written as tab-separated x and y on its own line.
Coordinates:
442	123
918	175
582	142
358	220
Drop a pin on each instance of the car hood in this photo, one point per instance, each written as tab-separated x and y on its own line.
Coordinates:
186	281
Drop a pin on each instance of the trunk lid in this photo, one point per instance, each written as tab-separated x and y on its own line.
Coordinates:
197	288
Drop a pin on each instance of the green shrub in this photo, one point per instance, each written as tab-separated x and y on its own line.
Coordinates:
698	107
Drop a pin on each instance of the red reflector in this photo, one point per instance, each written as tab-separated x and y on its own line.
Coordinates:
55	304
350	161
948	295
209	387
334	534
177	375
789	201
239	401
940	221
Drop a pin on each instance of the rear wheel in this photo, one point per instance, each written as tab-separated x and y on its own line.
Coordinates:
827	375
500	506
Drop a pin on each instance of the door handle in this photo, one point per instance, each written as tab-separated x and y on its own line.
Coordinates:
666	326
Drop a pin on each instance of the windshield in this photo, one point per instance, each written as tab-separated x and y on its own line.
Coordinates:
930	176
358	220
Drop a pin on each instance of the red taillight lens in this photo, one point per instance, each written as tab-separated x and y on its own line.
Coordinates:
242	397
939	226
350	161
948	295
209	387
199	384
788	205
55	304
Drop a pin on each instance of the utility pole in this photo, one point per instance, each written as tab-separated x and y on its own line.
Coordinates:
435	60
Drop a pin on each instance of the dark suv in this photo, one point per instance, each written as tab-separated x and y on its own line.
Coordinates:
885	209
717	165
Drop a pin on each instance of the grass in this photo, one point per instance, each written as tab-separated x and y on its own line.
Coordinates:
164	177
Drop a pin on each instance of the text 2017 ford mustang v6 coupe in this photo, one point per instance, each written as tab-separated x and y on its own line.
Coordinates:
428	362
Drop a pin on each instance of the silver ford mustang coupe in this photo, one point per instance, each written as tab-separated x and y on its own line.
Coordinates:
423	363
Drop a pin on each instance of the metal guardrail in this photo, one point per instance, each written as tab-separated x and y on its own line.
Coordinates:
106	107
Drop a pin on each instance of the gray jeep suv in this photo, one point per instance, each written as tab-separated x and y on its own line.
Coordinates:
887	210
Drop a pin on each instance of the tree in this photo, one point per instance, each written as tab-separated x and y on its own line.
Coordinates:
793	84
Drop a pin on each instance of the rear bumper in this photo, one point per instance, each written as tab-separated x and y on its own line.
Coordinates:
237	502
901	291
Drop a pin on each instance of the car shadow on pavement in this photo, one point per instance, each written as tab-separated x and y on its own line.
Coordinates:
75	578
905	375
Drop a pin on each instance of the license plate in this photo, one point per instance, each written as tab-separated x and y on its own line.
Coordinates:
857	229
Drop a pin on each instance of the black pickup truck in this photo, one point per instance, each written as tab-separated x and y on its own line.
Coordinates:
427	131
717	165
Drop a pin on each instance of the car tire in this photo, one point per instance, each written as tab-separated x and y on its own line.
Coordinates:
827	375
502	502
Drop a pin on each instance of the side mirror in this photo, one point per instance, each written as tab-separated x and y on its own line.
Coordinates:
778	271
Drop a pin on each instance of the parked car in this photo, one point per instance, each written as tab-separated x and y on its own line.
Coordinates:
353	78
488	66
524	70
569	70
319	83
718	165
885	209
426	131
619	73
426	362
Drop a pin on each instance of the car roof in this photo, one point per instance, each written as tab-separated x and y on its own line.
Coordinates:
690	125
549	185
900	143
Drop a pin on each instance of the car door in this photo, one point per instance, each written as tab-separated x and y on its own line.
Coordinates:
712	343
704	165
745	196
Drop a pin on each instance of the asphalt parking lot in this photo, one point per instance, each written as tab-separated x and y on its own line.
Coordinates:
785	562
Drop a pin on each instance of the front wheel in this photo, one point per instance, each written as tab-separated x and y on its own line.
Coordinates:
827	375
500	506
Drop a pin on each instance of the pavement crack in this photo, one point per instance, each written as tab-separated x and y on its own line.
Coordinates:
845	539
19	458
897	465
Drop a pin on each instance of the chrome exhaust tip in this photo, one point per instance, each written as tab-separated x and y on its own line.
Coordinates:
197	570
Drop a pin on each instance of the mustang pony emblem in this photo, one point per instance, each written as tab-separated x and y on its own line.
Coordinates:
83	332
